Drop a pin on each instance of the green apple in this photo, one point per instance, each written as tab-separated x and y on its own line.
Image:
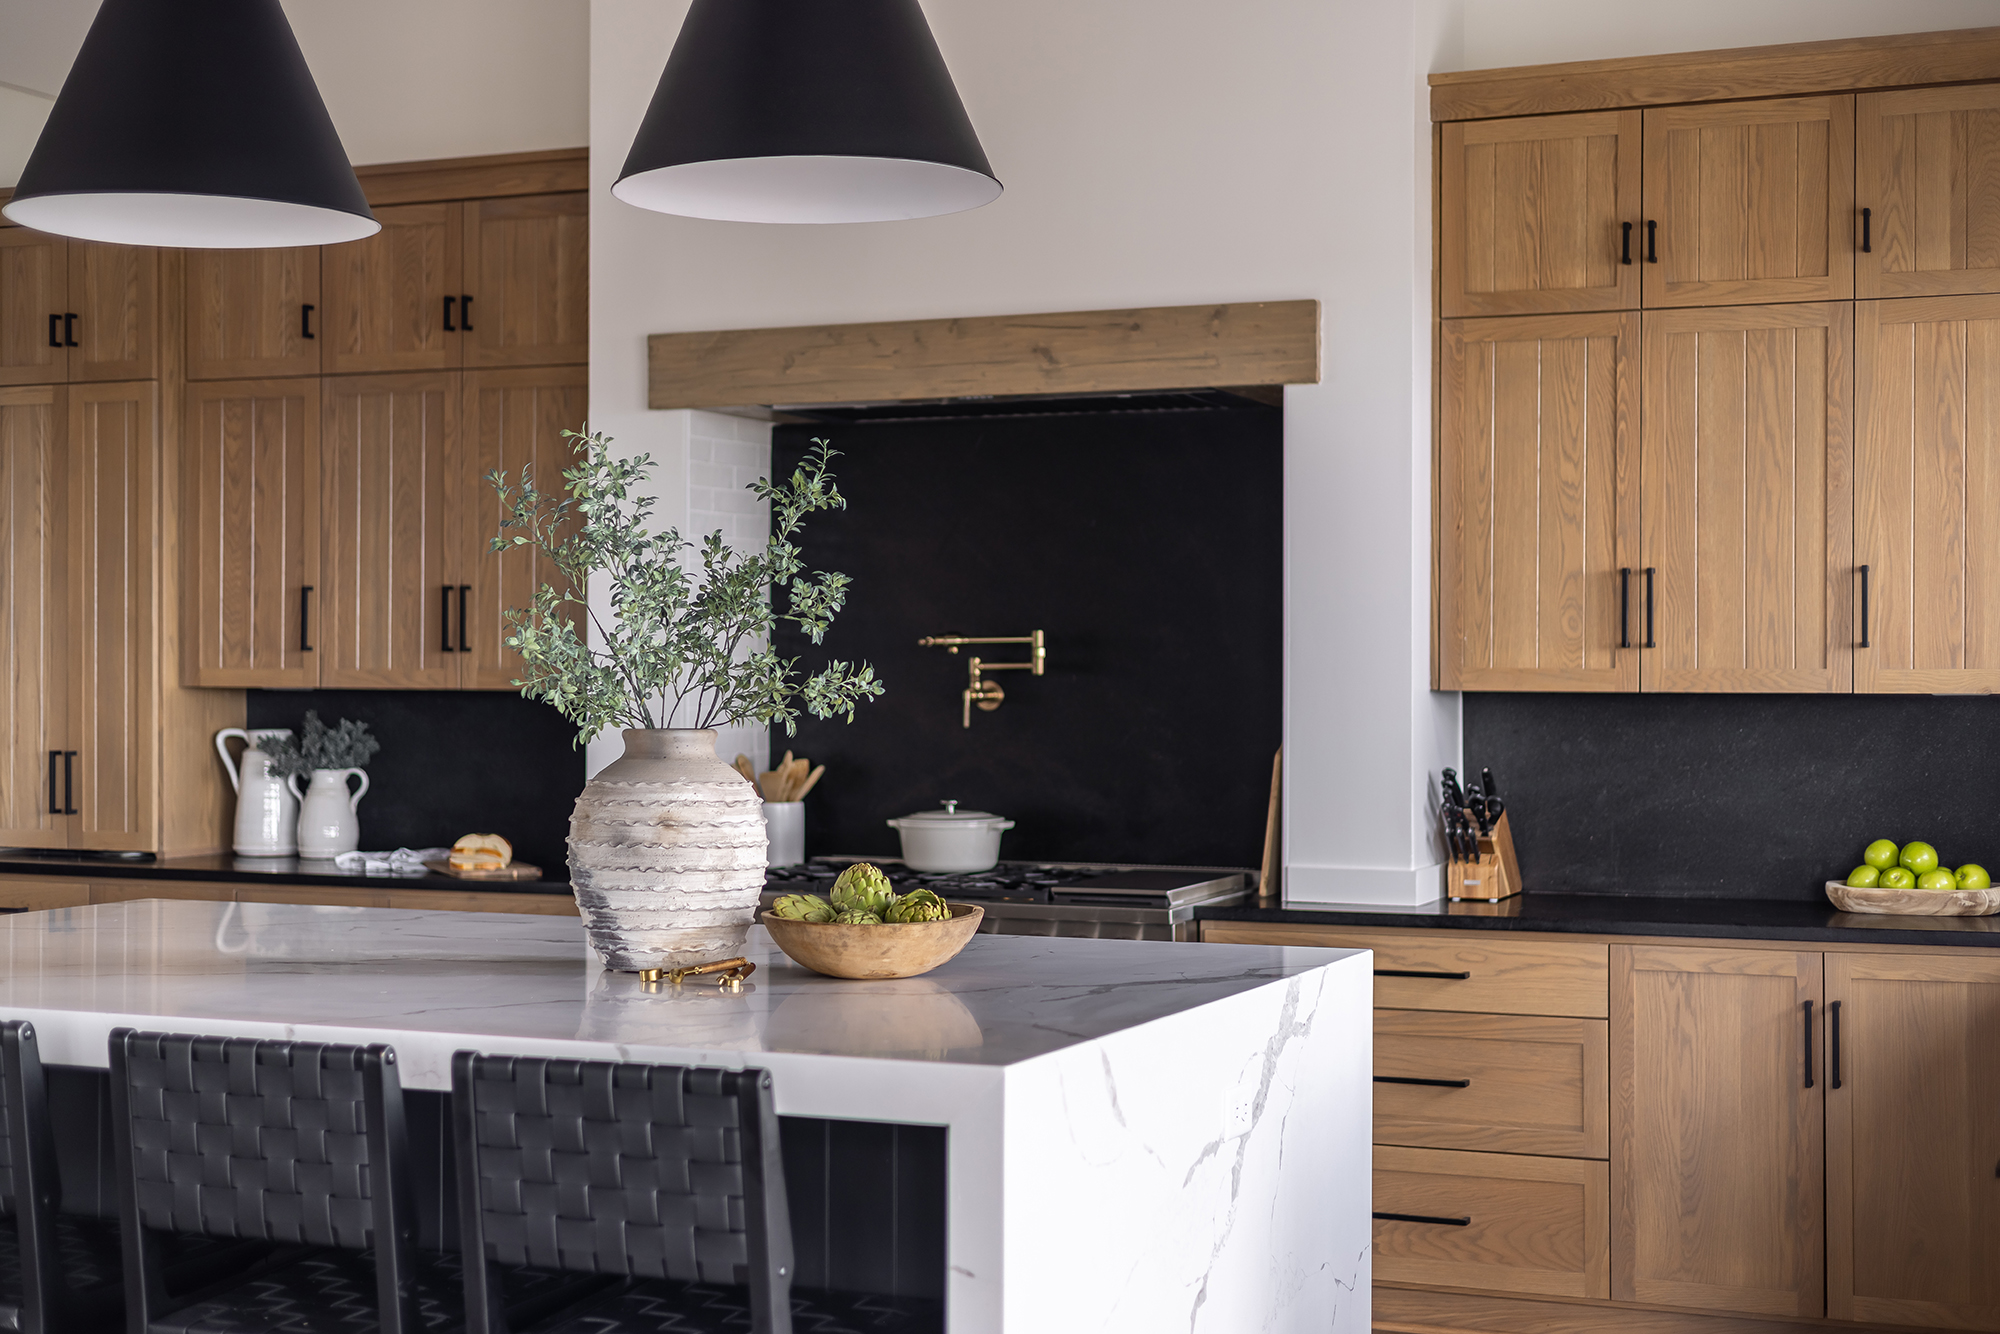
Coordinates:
1881	854
1898	877
1863	876
1940	880
1919	857
1973	876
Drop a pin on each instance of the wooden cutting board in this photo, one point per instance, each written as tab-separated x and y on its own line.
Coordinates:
513	871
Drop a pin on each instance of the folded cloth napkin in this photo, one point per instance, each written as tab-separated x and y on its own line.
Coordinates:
403	861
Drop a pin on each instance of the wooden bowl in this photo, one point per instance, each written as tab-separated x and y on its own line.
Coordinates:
1915	902
891	950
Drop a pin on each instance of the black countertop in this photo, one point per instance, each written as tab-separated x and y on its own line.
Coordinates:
228	869
1619	915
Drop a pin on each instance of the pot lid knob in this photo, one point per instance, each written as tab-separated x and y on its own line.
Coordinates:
950	807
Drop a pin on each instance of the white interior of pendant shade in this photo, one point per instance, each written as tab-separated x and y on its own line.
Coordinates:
808	189
197	222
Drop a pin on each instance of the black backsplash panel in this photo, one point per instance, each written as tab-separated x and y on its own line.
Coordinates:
1733	796
453	762
1147	546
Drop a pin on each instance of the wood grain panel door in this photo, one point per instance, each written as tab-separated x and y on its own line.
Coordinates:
1538	503
1750	201
1716	1129
391	478
514	419
385	294
1746	480
34	615
252	461
1927	495
527	281
114	488
114	292
1912	1137
251	314
1927	172
34	294
1540	214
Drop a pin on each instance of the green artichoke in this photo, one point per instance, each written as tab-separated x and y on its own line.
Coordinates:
804	908
864	887
919	905
857	917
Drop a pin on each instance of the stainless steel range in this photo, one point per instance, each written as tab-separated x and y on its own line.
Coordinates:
1091	899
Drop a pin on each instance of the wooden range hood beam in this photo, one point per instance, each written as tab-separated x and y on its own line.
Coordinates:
1071	352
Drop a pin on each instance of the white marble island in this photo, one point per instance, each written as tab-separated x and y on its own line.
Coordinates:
1141	1136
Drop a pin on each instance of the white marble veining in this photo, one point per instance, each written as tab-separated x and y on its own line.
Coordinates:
1145	1136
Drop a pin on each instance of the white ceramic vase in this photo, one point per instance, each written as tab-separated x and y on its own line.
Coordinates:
329	814
666	853
267	814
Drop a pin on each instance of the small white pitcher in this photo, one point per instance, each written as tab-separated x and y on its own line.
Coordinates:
267	814
329	816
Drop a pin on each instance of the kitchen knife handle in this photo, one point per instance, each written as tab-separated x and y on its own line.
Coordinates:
1625	251
55	331
1809	1010
1438	1219
1864	606
447	314
1624	606
305	611
69	782
306	321
1833	1045
464	596
444	621
1419	972
465	314
1427	1083
1649	610
55	807
69	331
1652	236
1867	217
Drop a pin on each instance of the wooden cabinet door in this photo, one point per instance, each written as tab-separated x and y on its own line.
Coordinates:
527	281
1537	503
252	469
1746	481
1912	1136
114	292
1927	172
514	419
1752	201
114	487
391	480
1927	494
1716	1124
34	616
34	294
253	313
1541	214
385	294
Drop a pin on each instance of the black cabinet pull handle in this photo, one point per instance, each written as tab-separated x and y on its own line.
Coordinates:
1808	1009
447	314
1867	217
1426	1218
444	621
1419	972
1864	607
55	331
305	608
69	331
306	321
55	807
465	314
1833	1045
1625	250
1652	237
464	596
1649	610
69	782
1427	1083
1624	606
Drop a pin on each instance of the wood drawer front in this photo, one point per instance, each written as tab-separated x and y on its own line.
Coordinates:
31	893
1533	1084
1502	975
1536	1224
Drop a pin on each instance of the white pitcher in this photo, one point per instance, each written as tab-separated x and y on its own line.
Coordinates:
329	815
267	814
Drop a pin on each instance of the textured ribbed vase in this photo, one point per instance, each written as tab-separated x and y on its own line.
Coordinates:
666	853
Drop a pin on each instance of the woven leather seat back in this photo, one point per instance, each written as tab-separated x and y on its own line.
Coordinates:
8	1134
609	1168
242	1138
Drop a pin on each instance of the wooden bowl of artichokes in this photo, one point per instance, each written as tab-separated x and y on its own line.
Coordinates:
864	929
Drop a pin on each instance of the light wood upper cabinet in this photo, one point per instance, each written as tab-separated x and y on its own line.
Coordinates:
251	514
253	313
34	616
1747	507
527	281
114	292
385	294
1927	173
34	295
392	478
1913	1136
1541	214
513	419
1751	202
1927	494
1537	500
1716	1133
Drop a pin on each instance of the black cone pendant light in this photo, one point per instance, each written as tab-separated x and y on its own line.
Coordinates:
191	123
806	111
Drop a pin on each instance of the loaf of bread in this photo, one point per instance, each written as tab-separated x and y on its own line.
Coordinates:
481	852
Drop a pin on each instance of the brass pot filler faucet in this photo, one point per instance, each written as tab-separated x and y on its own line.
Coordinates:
978	690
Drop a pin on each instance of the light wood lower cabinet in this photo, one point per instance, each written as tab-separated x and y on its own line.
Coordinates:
1504	1222
1506	1083
32	893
